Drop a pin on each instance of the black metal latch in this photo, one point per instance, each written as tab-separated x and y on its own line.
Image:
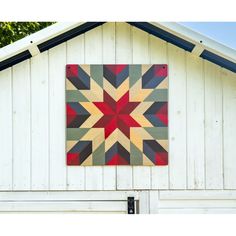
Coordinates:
131	205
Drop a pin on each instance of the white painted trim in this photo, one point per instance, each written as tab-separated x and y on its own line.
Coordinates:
31	41
202	42
68	196
70	201
198	195
196	38
65	206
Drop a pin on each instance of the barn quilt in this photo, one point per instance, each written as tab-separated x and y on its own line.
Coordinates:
117	114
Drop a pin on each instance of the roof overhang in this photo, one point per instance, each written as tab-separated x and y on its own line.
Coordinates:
174	33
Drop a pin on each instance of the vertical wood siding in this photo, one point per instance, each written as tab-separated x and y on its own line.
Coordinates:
21	135
202	114
6	152
39	122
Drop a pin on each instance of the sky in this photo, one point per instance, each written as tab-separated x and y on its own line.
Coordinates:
223	32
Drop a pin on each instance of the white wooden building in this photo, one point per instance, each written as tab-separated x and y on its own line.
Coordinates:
201	174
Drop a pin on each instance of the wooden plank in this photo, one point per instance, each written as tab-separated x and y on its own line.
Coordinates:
39	122
93	46
76	206
75	55
21	126
144	207
195	123
93	55
109	57
154	200
57	166
108	43
68	196
229	128
158	55
198	211
123	43
177	118
158	50
213	126
124	177
198	194
93	178
160	177
75	50
141	177
124	174
6	129
197	204
109	178
140	45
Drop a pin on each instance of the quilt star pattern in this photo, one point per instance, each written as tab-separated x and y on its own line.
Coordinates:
117	114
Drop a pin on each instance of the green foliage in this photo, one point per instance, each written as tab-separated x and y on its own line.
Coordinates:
12	31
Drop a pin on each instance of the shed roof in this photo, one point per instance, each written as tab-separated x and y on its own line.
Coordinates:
171	32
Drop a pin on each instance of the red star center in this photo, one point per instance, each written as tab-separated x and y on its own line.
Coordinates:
116	114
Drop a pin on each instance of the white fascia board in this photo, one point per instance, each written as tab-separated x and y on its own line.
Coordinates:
30	42
198	39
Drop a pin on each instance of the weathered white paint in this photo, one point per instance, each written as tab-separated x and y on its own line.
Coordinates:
6	129
154	200
177	118
66	206
68	196
198	194
195	122
57	162
213	127
39	123
144	206
76	201
229	129
202	127
198	211
21	139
